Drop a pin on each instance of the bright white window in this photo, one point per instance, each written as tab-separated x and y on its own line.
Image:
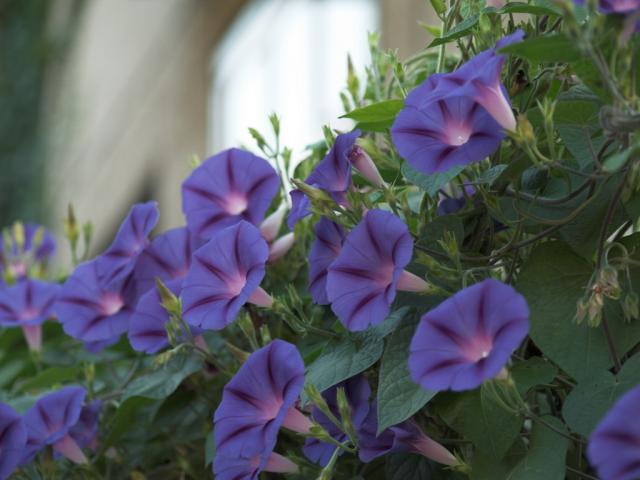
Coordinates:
288	57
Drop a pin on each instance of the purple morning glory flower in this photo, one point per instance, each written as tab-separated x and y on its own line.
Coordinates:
357	392
332	174
614	446
118	261
615	6
231	186
167	257
39	245
13	438
85	431
257	401
241	468
404	437
147	331
324	250
456	118
49	422
469	337
91	312
225	273
363	279
436	136
28	304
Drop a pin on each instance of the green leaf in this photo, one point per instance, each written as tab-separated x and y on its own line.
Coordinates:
125	417
376	117
429	183
351	354
547	49
546	456
462	29
403	466
49	377
579	128
552	280
163	381
531	372
478	417
517	7
435	231
398	396
592	398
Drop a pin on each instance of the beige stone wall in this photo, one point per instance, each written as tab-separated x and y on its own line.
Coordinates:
128	110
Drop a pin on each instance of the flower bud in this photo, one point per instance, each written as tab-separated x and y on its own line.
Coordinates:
168	300
280	247
364	164
270	226
630	306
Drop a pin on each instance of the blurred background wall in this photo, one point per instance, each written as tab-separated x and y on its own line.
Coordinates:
104	103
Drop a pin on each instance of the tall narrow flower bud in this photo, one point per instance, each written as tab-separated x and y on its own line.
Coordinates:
364	164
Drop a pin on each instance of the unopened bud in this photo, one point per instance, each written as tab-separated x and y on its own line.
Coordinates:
18	236
582	308
168	299
364	164
345	414
608	282
71	229
312	192
280	247
596	304
270	226
525	129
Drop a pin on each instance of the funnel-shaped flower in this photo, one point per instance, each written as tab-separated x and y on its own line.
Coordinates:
469	337
404	437
332	174
88	310
456	118
225	273
28	304
118	261
362	281
85	432
614	446
324	250
147	331
13	437
257	401
444	133
49	421
357	392
168	257
231	186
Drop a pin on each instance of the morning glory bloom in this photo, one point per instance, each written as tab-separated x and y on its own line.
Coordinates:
456	118
438	135
118	261
225	274
324	250
49	422
469	337
147	331
404	437
91	312
231	186
333	175
85	431
13	438
27	304
357	392
614	446
363	279
622	7
28	243
258	400
167	257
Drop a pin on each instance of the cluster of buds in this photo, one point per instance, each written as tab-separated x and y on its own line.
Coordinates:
590	306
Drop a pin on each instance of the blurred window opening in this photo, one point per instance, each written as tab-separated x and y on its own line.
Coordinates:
288	57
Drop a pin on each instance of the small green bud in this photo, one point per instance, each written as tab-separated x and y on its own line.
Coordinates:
312	192
71	229
524	130
345	414
169	301
275	123
257	136
18	235
439	6
329	137
608	282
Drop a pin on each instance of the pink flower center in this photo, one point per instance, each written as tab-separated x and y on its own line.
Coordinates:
29	314
457	134
236	283
478	348
384	274
236	203
111	304
18	269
